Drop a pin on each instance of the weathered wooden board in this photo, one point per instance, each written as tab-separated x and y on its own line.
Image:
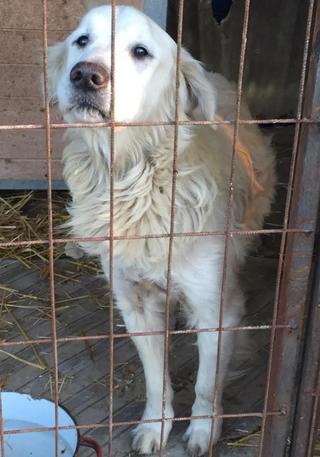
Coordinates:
62	14
23	153
275	42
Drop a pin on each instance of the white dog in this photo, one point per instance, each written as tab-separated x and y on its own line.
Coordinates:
145	70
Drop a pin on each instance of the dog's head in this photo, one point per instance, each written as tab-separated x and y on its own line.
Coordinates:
144	72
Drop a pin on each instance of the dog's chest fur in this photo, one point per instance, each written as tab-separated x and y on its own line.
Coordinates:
142	201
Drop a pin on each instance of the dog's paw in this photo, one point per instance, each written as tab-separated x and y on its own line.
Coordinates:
146	437
198	436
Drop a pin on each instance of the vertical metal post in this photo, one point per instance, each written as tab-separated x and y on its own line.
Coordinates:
50	227
1	426
284	370
308	399
172	225
111	197
307	410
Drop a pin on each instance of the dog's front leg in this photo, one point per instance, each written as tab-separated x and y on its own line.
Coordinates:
202	287
142	307
199	431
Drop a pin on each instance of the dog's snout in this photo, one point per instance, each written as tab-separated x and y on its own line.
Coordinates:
89	76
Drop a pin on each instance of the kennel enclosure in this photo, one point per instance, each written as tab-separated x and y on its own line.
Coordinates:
290	409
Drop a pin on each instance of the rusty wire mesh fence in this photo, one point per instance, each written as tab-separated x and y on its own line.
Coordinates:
284	427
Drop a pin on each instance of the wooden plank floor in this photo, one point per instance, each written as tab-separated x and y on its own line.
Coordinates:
82	309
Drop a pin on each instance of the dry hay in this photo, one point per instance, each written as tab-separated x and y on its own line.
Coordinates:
252	440
24	217
247	440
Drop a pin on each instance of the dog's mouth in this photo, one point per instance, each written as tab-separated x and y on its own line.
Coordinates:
90	111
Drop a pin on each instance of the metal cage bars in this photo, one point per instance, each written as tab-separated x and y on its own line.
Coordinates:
293	168
62	125
299	250
112	151
243	49
172	222
291	229
50	227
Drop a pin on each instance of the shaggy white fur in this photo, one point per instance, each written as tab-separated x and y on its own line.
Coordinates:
145	91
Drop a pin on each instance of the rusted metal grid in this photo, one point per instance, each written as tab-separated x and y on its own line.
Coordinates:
297	237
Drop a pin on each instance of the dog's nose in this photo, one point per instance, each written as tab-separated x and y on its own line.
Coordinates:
89	76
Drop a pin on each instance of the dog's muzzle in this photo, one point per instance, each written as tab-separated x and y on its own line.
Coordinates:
90	83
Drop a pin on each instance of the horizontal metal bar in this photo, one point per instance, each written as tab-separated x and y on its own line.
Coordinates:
156	236
46	340
157	123
142	421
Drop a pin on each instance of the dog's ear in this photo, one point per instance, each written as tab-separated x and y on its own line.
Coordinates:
199	99
56	59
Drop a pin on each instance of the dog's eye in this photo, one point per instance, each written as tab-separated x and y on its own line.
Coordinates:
140	52
82	41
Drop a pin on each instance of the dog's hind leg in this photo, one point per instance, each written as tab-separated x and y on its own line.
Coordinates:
142	307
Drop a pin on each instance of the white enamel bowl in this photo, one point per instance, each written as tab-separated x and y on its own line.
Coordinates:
21	411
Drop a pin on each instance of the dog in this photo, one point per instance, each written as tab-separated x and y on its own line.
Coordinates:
144	77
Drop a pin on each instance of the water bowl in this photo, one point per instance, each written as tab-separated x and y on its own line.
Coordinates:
22	412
